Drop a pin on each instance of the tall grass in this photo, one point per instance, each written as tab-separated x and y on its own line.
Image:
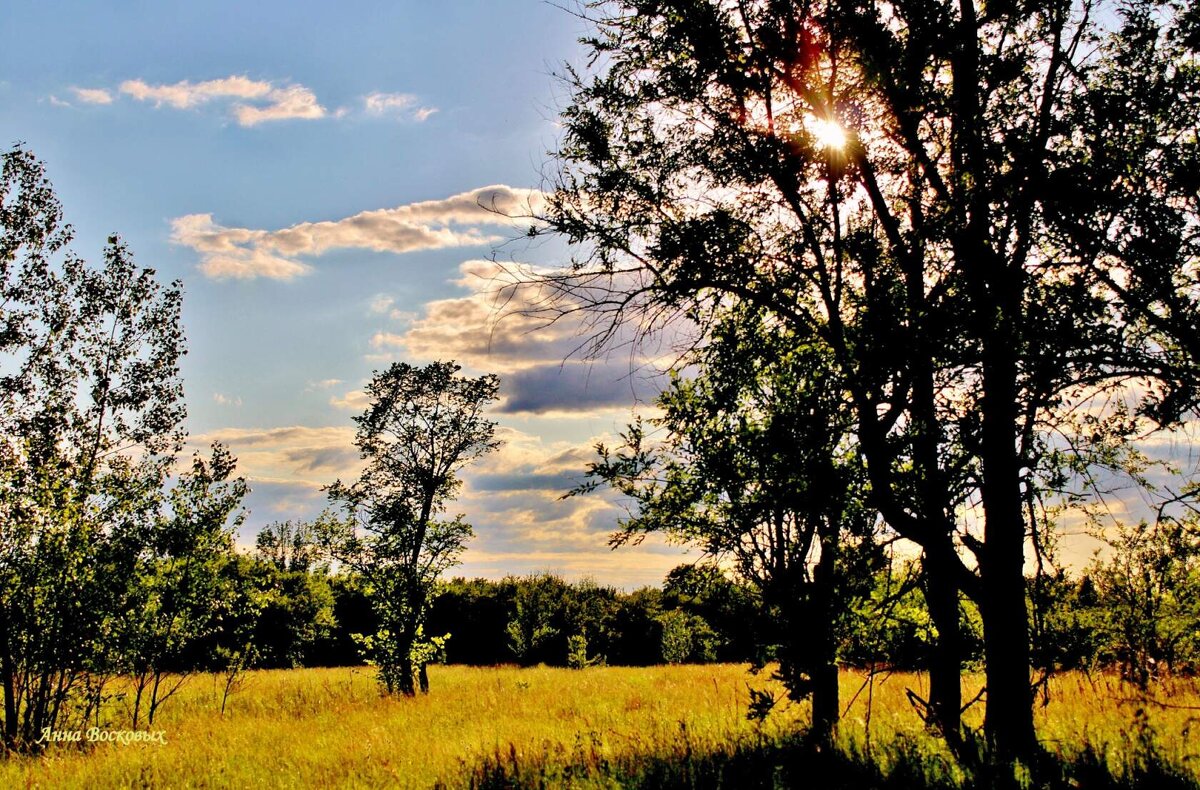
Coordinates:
597	727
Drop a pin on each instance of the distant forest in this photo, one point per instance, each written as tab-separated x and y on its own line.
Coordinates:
298	613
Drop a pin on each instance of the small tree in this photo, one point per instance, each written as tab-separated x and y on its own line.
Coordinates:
538	602
1149	590
422	426
177	596
288	545
758	468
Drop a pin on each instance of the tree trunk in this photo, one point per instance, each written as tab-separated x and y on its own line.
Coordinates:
423	677
945	659
823	669
9	680
1008	722
404	676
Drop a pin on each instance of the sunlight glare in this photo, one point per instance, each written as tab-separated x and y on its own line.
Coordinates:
829	134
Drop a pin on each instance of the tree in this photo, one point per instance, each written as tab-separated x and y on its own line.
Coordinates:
888	181
538	604
91	416
288	545
422	426
759	468
177	594
1149	595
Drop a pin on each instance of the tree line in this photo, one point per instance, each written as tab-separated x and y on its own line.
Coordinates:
1134	612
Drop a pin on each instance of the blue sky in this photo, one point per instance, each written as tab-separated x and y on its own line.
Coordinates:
312	172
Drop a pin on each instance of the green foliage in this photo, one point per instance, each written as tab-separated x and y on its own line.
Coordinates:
422	425
577	653
539	601
686	637
91	416
179	594
1149	598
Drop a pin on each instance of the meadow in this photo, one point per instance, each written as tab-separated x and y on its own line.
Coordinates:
596	727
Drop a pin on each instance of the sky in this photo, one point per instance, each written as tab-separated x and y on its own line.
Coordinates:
314	174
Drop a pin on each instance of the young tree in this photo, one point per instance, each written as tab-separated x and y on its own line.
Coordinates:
422	426
177	595
760	469
1149	597
91	416
288	545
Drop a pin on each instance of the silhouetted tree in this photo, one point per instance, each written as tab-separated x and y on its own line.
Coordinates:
985	215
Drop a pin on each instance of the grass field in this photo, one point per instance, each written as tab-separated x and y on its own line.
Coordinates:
543	726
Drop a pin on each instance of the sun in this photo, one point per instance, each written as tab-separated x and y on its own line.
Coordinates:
828	134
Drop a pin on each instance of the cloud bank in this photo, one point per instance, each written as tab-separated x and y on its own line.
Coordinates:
456	221
253	101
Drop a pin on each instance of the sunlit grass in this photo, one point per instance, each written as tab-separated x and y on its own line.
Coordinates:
331	728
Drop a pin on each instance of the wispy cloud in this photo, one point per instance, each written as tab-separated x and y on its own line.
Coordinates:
296	454
381	303
255	101
226	400
92	95
355	400
379	103
456	221
183	95
294	101
402	105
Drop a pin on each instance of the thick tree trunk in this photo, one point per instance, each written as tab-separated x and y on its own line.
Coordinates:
423	677
404	676
1008	722
945	659
825	702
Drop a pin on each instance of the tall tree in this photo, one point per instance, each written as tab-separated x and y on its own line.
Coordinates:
422	426
90	419
883	179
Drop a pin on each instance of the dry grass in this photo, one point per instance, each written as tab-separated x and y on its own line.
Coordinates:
330	727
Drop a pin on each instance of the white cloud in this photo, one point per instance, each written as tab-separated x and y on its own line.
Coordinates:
355	400
272	103
456	221
379	103
324	384
92	95
511	498
57	102
226	400
396	104
294	101
184	94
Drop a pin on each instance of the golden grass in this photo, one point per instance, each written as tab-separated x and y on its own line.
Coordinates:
331	728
